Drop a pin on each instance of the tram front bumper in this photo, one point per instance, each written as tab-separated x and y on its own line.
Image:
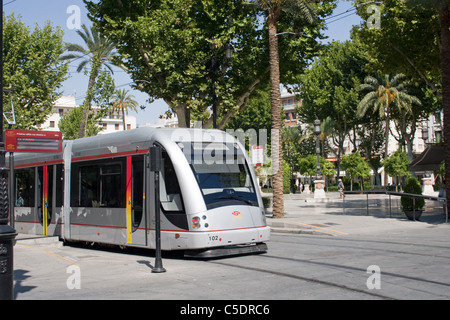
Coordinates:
224	242
226	251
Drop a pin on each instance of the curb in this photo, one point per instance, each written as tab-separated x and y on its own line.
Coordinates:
39	240
299	231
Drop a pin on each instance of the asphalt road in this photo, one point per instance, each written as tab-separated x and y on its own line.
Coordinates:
296	267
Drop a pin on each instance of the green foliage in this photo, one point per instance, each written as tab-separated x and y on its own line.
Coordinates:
102	90
169	48
70	124
355	166
307	166
99	52
330	90
407	42
32	70
412	186
286	178
397	165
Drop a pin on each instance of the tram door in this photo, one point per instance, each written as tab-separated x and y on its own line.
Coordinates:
44	197
136	221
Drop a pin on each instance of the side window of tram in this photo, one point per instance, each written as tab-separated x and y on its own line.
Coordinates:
24	188
101	186
170	192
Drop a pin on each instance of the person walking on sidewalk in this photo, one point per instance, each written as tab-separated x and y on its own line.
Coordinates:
341	189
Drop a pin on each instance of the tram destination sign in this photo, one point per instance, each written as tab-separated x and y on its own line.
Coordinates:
33	141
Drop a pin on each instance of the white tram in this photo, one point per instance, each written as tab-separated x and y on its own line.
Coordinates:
101	190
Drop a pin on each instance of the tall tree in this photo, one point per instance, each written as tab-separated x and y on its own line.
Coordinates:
356	166
442	7
172	47
330	89
301	12
383	93
406	40
99	51
122	101
175	50
32	72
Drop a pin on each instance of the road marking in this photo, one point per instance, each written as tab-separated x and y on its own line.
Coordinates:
50	253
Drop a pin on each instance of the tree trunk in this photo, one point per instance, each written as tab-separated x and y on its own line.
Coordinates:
445	60
96	64
386	146
123	118
275	100
183	114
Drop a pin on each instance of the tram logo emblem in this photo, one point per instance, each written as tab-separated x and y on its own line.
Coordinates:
236	214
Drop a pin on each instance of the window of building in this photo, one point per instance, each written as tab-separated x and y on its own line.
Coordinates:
288	118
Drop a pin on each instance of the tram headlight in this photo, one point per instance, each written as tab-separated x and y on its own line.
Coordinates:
195	222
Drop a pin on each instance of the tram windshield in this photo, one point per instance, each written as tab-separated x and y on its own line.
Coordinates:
222	174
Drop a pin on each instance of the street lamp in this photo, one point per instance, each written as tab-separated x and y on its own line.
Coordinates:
317	131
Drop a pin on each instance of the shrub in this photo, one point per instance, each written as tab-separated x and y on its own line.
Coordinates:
412	186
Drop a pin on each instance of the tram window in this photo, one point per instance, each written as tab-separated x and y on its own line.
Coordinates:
100	185
111	186
138	190
225	184
24	188
59	185
170	192
89	187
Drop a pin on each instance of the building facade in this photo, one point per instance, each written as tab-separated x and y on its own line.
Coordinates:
111	123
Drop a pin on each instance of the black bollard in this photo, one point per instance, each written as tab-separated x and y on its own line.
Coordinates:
7	237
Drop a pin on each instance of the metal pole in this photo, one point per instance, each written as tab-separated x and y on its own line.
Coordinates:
390	208
446	212
343	204
7	233
12	188
155	166
367	197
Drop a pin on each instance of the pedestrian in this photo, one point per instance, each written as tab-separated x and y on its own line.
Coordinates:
19	201
300	187
341	189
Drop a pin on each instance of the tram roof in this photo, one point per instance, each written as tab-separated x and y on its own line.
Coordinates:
123	142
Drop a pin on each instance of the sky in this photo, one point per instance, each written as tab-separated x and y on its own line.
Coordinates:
62	12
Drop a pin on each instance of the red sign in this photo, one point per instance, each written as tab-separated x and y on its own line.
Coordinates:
33	141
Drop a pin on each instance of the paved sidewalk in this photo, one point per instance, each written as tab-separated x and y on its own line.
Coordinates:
353	215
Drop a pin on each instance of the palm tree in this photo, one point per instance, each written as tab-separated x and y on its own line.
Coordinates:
122	101
100	52
300	10
383	94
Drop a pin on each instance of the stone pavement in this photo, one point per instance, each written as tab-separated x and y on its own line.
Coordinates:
352	215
